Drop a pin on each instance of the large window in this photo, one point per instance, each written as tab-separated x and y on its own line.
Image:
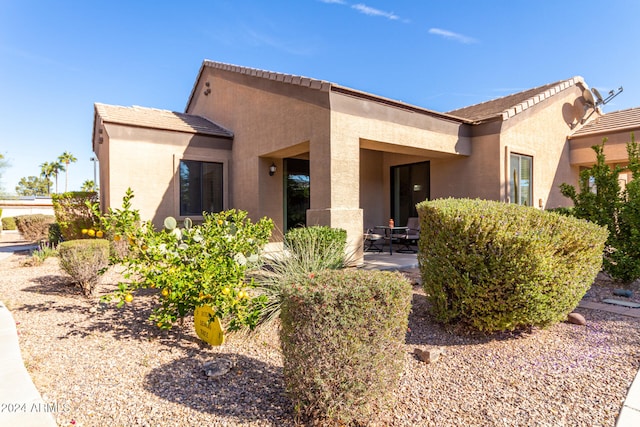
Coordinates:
200	187
521	168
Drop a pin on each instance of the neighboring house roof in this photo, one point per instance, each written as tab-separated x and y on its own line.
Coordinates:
160	119
615	121
316	84
510	105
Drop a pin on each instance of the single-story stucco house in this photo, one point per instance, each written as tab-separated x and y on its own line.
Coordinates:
305	151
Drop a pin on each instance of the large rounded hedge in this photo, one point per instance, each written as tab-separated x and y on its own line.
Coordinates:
498	266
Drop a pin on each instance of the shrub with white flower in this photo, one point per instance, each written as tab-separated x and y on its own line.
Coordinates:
199	265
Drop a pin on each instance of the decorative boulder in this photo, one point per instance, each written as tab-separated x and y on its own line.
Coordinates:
576	319
428	356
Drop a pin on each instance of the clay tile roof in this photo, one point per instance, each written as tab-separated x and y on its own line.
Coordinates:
282	77
510	105
615	121
160	119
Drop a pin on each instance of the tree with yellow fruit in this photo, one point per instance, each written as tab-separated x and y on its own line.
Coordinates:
199	265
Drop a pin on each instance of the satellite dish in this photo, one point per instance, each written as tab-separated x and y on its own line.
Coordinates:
597	94
588	97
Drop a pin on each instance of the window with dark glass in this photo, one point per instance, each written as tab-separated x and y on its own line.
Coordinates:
410	184
200	187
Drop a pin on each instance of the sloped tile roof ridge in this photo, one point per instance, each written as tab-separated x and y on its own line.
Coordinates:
510	105
322	85
155	118
614	121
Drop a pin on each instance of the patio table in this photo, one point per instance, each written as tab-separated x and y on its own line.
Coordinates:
388	234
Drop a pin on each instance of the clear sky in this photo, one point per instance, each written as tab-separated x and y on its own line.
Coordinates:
57	58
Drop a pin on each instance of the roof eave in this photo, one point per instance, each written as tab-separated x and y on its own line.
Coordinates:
191	132
195	85
605	132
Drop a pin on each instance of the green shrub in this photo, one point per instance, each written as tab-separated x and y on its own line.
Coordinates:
34	227
74	214
307	250
497	266
45	250
55	234
342	340
566	211
9	223
600	199
119	225
316	248
83	260
322	245
199	265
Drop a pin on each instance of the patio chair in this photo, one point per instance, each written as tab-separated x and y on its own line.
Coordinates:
372	241
409	238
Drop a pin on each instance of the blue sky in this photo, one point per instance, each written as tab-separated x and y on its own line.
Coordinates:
59	57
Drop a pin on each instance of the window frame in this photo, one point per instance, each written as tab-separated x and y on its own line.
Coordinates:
176	186
520	156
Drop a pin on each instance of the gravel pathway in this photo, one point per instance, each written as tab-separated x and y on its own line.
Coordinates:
109	367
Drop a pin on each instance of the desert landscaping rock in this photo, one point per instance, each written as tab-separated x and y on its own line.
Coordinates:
111	367
576	319
218	367
430	355
623	293
622	303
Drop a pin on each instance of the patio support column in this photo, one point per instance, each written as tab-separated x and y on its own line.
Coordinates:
335	188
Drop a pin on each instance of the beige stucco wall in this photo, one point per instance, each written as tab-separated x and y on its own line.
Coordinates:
146	160
270	120
615	149
540	132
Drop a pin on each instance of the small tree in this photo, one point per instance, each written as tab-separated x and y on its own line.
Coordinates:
601	200
32	186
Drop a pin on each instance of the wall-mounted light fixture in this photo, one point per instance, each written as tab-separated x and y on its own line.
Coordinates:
272	169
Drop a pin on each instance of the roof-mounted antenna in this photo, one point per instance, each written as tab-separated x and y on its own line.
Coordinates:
588	98
590	102
603	101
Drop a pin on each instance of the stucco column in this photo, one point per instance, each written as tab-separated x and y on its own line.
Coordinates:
335	188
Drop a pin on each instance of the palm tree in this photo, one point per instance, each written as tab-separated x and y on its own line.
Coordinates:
56	168
46	170
88	185
66	158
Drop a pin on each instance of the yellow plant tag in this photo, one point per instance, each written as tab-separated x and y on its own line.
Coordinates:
208	325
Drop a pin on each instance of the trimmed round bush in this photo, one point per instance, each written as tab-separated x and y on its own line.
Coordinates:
83	260
34	227
497	266
342	340
9	223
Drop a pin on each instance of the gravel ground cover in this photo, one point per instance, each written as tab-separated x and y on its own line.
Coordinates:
105	366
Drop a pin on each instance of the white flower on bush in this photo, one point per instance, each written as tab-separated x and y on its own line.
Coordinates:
240	258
